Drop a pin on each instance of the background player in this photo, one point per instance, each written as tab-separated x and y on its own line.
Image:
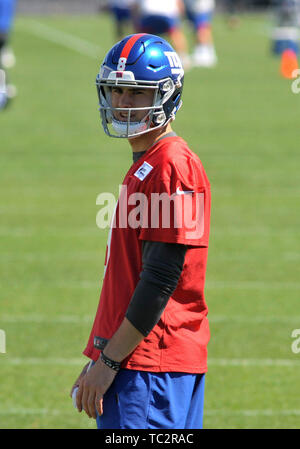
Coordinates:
7	58
163	18
200	14
286	30
150	334
121	12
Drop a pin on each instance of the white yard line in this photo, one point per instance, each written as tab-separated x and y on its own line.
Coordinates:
261	285
46	361
207	412
56	361
261	412
217	285
253	362
44	319
38	255
234	232
31	411
82	319
293	319
30	231
61	38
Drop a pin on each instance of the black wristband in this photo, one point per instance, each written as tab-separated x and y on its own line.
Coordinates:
111	363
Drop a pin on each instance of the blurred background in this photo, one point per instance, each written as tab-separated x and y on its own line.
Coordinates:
240	114
92	6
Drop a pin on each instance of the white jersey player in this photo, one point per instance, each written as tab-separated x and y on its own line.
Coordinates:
200	14
163	17
121	11
286	30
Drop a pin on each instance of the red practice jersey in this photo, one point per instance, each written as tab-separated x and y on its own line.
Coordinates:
165	197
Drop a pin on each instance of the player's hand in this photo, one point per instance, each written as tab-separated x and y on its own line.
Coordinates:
92	386
76	383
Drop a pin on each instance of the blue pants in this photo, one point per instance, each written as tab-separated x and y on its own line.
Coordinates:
7	11
158	24
279	46
121	14
146	400
200	19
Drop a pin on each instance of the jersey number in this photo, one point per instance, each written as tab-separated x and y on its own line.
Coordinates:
122	64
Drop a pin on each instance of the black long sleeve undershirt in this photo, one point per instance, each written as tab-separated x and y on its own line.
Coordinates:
162	267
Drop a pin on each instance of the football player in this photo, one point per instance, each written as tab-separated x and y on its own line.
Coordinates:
163	18
148	343
286	30
121	12
7	58
200	14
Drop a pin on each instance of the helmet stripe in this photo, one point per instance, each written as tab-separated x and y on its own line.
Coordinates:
129	44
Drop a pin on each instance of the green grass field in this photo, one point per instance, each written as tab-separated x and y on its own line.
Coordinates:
242	119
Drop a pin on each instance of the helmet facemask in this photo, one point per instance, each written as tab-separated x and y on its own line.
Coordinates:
155	115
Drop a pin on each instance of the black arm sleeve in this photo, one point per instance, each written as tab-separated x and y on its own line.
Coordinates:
162	267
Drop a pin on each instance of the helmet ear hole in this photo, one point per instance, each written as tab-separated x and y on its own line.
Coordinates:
159	118
172	105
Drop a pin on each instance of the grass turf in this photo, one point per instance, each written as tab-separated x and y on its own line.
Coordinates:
241	118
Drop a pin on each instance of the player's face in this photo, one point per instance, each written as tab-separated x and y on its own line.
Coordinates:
126	97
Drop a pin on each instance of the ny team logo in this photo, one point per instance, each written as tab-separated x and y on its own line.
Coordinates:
174	61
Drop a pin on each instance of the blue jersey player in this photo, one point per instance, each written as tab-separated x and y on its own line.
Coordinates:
7	59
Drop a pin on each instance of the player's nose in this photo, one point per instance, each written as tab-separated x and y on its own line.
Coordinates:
125	100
